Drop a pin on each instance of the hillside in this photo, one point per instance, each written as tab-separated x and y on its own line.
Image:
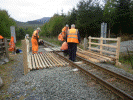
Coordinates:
38	22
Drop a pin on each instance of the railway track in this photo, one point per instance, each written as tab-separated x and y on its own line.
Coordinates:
116	83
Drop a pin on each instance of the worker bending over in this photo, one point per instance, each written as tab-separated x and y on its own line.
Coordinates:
62	35
34	40
72	38
12	45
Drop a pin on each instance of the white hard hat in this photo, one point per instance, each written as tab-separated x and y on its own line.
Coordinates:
67	25
38	28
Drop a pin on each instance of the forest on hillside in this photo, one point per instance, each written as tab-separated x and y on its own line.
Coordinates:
87	17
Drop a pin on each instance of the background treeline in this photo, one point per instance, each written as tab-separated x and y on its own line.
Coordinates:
88	16
6	21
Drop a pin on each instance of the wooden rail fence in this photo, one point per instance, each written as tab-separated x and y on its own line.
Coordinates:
103	49
4	48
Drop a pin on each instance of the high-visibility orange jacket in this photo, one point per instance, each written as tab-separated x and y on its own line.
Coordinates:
64	32
64	46
1	37
60	37
35	35
11	44
72	36
34	41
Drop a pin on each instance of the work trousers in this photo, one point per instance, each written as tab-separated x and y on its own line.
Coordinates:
72	48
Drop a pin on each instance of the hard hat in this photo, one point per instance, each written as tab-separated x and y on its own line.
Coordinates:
39	29
67	25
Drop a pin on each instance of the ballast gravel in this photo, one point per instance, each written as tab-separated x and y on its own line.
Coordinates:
55	83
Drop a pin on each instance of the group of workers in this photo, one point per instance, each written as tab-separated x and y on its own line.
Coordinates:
70	39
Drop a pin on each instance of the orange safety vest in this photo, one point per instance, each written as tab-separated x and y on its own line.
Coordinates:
60	37
35	35
64	46
11	44
72	36
64	31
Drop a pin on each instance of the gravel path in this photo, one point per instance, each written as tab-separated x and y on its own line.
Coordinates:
57	83
54	83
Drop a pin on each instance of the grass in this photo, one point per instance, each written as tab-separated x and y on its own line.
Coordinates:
126	63
5	73
53	40
18	44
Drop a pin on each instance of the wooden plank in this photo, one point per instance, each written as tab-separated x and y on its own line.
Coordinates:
43	65
89	43
33	63
86	57
1	43
92	56
53	60
104	51
24	48
117	50
30	67
46	54
103	55
58	63
97	38
59	60
106	45
95	54
64	63
37	65
101	43
38	60
44	60
6	48
2	47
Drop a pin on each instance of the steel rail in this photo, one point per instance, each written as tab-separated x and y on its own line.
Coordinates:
106	84
114	89
128	80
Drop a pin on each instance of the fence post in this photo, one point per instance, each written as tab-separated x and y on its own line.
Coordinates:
85	43
118	50
89	43
27	44
25	64
101	45
6	47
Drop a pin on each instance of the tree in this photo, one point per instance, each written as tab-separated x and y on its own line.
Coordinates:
89	18
5	23
123	19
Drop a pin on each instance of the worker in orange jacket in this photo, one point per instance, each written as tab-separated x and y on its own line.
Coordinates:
60	37
34	40
64	48
72	38
1	37
12	45
64	32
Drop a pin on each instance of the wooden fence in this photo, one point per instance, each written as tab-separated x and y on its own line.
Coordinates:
4	48
101	47
25	49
